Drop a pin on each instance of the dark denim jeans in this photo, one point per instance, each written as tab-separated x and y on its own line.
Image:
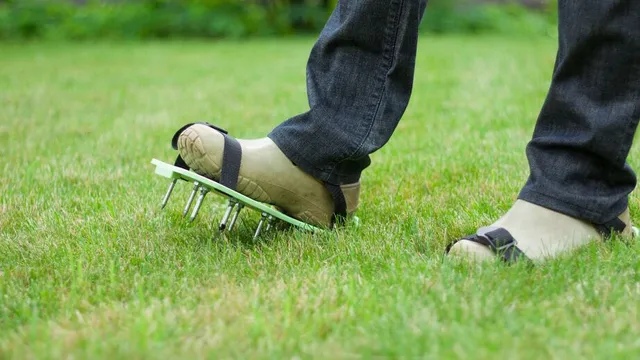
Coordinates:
360	77
359	81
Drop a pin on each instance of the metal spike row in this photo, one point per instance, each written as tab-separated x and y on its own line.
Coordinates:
165	200
233	204
191	197
203	193
227	213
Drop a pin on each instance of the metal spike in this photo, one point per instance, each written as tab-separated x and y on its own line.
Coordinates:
235	217
259	229
203	192
191	197
225	217
269	223
165	200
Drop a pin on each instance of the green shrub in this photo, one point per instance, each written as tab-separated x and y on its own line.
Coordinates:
447	16
149	19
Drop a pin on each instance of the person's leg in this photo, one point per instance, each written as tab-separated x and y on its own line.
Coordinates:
577	156
359	79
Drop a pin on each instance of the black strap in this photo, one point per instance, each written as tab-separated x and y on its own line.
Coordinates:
614	226
339	203
231	156
499	241
231	160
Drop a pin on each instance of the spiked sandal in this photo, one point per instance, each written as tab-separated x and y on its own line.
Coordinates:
226	181
497	240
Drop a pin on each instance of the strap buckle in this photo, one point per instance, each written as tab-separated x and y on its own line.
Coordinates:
502	247
498	242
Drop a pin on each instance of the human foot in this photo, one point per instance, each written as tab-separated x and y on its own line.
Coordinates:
265	175
538	234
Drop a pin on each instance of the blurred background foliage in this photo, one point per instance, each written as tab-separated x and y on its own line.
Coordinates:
153	19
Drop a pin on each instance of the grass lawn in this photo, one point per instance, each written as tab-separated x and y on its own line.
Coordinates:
90	268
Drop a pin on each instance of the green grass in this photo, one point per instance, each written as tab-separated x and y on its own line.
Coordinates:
90	268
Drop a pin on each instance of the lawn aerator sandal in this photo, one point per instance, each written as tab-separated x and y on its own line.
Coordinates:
503	244
226	188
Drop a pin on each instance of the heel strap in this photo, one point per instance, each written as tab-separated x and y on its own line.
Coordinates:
610	227
339	203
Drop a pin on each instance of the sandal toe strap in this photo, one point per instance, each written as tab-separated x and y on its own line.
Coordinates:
499	241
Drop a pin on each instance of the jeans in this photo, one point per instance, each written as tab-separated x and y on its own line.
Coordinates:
360	76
